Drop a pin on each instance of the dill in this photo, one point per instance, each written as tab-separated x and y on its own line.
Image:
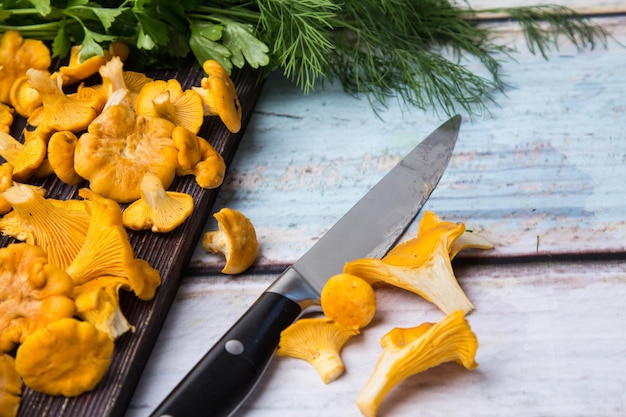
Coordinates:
411	51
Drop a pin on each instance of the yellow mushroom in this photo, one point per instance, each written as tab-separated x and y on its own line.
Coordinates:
219	96
59	227
209	171
349	300
17	55
421	265
348	304
120	147
407	352
61	146
107	250
24	99
33	293
189	148
166	99
235	239
24	157
6	118
68	357
10	387
317	340
6	180
60	111
158	210
78	69
98	302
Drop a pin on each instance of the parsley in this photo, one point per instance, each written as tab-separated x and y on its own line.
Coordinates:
412	50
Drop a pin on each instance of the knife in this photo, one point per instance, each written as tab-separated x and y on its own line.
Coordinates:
220	382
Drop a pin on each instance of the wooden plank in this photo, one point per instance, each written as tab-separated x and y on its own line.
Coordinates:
552	341
539	176
581	6
168	253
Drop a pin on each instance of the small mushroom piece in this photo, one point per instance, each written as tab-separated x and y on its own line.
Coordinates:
68	357
98	302
10	387
219	96
421	265
24	157
61	146
317	340
166	99
107	250
158	210
188	145
6	118
407	352
235	238
34	293
349	300
209	171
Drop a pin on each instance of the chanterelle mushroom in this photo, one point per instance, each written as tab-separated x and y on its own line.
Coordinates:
421	265
348	303
59	227
235	238
73	112
98	302
120	147
317	340
24	157
10	387
33	293
407	352
68	357
61	147
108	252
17	55
209	171
158	209
220	96
6	118
167	99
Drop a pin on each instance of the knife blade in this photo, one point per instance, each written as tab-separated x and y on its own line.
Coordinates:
220	382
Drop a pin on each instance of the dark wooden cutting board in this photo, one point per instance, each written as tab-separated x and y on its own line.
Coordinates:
169	253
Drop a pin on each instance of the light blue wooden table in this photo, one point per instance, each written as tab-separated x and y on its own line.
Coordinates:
542	177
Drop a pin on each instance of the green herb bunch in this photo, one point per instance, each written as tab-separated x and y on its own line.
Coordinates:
409	49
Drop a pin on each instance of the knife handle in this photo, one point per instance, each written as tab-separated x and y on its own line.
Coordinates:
224	377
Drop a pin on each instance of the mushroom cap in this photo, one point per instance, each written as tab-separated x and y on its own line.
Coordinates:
6	117
69	357
61	146
33	292
222	95
17	55
24	98
98	302
317	340
10	386
120	147
349	300
25	157
158	210
209	171
167	99
235	238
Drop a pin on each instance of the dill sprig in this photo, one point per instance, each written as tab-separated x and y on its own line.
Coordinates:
416	52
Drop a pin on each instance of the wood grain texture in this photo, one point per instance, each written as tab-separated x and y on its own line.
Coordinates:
169	253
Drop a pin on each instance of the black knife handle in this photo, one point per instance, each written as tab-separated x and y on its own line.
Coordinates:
224	377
